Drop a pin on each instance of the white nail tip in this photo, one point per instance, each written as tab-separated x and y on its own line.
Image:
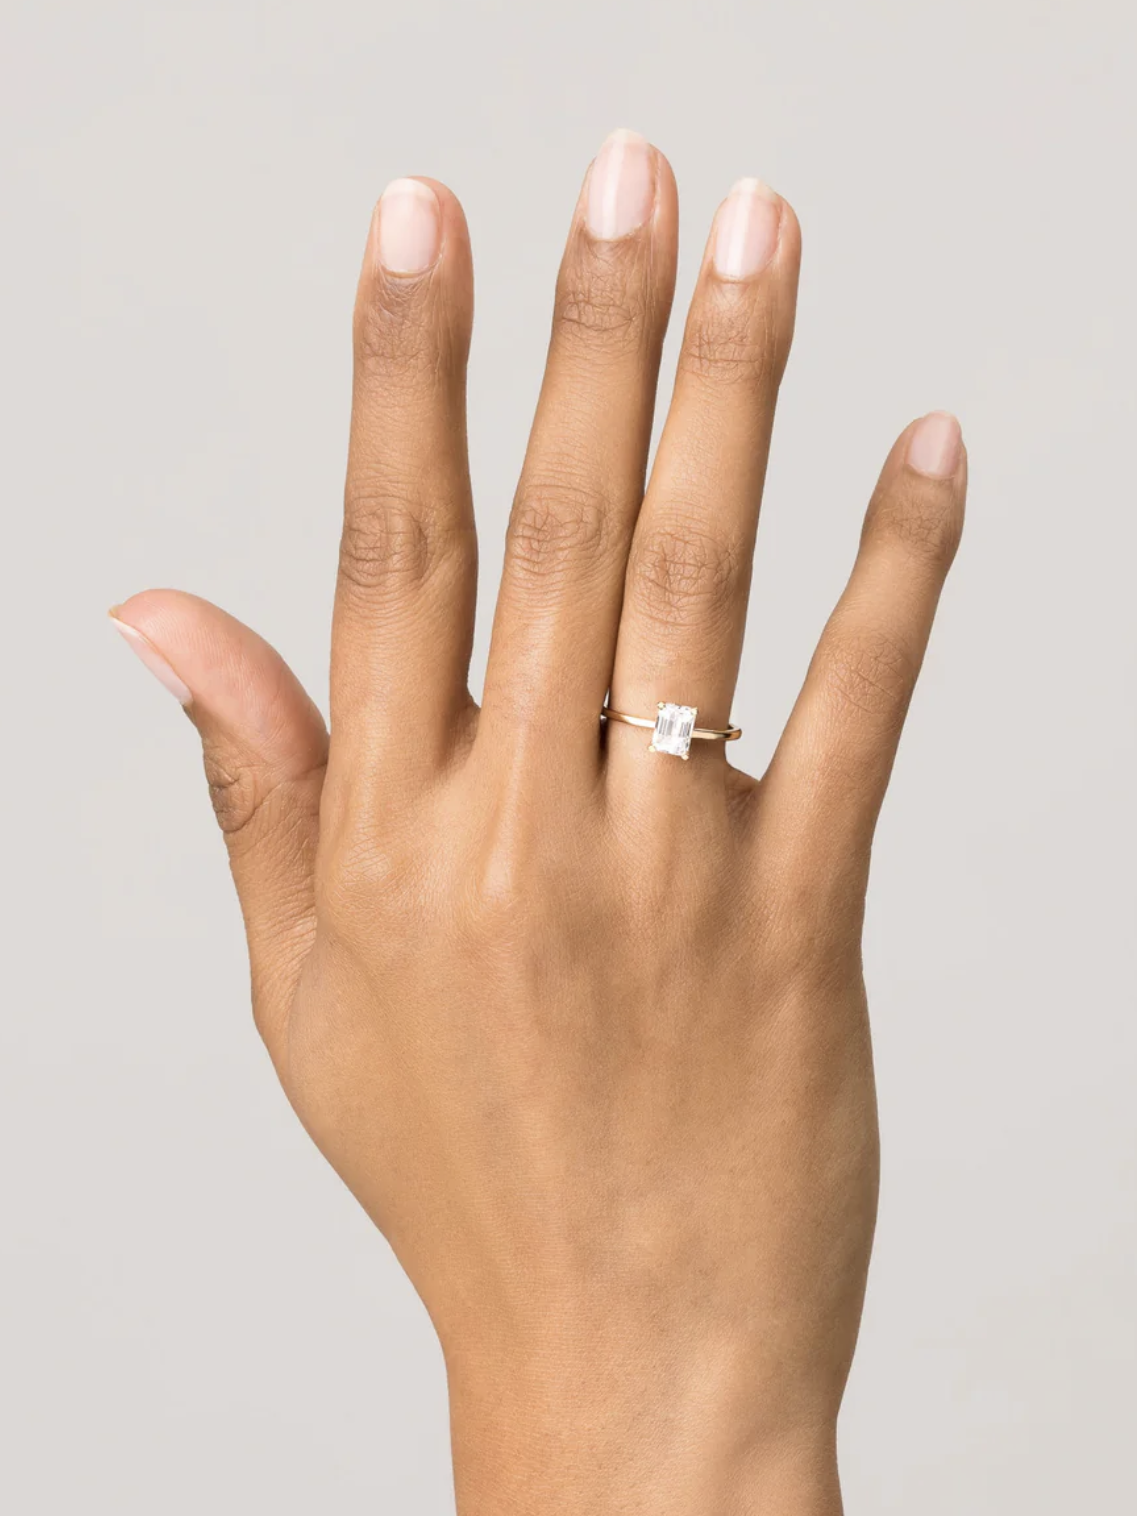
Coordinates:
149	656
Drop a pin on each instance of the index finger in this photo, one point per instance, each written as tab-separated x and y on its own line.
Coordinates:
404	607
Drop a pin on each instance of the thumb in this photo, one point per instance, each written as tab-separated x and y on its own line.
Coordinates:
265	749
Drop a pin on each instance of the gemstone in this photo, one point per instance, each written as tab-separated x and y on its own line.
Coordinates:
673	727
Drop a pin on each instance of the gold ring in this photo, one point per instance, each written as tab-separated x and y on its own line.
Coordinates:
673	728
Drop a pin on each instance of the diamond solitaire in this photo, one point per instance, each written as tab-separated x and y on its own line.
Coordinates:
673	727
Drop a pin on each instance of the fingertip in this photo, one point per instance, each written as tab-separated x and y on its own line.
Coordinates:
620	192
754	229
148	654
934	445
628	196
406	228
449	205
417	223
150	612
163	621
415	294
919	501
220	670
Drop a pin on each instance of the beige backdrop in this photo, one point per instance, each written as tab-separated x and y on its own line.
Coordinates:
195	1316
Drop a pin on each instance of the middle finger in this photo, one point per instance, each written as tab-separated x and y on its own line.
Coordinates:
581	486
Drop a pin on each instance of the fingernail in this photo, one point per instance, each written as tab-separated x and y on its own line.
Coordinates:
934	446
409	227
621	186
154	661
746	230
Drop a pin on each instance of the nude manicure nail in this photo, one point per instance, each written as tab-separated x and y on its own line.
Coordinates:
934	446
153	660
621	186
409	227
746	230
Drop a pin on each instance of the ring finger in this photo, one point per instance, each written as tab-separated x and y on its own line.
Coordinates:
688	575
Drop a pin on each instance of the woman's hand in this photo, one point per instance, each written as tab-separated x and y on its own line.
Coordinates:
583	1026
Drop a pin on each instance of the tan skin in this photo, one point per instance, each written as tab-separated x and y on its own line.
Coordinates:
583	1026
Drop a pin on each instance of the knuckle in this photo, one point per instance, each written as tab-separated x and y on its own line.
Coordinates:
730	342
238	790
388	536
556	523
678	574
501	899
358	880
370	876
597	299
872	672
504	914
921	521
248	797
394	334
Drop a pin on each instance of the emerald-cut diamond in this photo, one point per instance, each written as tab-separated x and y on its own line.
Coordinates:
673	727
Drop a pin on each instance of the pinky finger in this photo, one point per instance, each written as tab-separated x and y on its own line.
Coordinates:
828	777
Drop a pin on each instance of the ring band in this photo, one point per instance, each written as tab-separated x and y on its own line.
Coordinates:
673	728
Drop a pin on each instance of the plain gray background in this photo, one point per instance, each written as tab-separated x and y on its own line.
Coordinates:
195	1315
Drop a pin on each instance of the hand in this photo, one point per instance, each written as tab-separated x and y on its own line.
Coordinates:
583	1026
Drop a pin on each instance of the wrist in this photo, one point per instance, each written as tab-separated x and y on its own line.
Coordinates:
569	1433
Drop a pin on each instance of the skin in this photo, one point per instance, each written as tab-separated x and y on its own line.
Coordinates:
583	1027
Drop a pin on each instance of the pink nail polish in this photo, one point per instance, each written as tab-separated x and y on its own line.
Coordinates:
746	230
154	661
935	444
621	186
409	231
